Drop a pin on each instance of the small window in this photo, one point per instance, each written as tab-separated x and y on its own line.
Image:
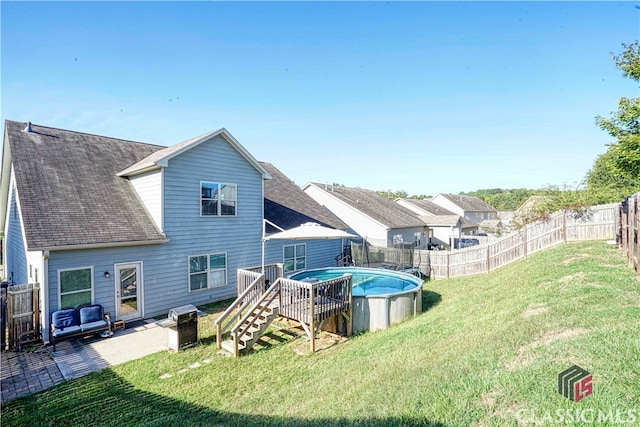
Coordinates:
295	257
76	287
218	199
207	271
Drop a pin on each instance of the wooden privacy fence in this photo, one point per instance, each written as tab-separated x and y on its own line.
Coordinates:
594	223
22	315
628	226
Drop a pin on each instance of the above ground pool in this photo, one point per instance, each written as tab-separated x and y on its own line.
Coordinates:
380	297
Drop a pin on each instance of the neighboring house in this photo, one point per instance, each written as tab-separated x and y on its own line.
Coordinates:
378	220
469	207
444	225
135	227
286	206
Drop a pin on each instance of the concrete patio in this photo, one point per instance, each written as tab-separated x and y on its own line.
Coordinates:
24	373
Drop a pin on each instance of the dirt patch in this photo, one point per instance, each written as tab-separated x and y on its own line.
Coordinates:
524	357
572	278
575	258
634	297
489	398
324	341
535	309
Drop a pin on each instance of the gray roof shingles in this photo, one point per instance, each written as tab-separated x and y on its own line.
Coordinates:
469	203
378	207
429	206
287	206
70	194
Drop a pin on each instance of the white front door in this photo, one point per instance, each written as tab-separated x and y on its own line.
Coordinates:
129	291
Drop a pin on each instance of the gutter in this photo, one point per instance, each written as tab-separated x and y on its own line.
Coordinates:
45	296
100	245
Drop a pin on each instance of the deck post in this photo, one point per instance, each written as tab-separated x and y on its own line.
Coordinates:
313	317
350	322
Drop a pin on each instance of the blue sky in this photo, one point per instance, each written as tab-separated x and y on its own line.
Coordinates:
426	97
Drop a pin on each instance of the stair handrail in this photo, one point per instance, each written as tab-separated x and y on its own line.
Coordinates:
273	289
220	328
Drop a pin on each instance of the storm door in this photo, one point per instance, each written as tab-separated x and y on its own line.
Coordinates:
129	291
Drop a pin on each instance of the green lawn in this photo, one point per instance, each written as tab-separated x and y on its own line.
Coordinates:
486	351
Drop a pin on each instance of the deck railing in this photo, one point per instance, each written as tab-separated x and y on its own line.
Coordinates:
253	285
313	303
308	303
265	301
272	273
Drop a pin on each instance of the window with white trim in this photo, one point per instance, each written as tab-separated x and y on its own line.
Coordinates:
295	257
218	199
76	287
207	271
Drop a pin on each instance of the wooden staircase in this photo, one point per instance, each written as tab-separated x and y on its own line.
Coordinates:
251	329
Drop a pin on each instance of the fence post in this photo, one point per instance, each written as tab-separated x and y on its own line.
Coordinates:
448	272
564	226
488	260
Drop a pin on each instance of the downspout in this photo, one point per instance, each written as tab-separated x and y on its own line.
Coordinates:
44	289
263	244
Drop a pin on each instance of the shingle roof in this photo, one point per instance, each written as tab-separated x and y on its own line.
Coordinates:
69	192
469	203
378	207
429	206
441	220
287	206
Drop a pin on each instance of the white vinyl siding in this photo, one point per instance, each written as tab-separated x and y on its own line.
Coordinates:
75	287
148	186
365	226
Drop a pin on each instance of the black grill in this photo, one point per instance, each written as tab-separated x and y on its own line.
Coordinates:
183	331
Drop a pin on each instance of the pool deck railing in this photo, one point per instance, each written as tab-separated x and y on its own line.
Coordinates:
264	295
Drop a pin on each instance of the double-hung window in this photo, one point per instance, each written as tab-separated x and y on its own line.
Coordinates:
207	271
218	199
295	257
76	287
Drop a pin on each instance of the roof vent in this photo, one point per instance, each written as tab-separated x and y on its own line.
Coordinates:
28	128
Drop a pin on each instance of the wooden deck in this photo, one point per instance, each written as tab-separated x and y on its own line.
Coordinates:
309	304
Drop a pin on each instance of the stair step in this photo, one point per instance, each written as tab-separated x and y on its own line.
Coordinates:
228	346
255	327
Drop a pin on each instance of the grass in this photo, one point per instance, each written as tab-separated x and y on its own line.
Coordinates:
486	352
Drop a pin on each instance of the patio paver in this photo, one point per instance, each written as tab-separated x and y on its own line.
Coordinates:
24	373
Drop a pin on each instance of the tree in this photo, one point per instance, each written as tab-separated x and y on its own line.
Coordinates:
392	195
504	199
553	199
624	124
606	184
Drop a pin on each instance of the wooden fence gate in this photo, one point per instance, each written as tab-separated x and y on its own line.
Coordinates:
21	313
629	221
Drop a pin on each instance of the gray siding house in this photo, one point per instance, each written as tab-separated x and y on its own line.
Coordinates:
135	227
469	207
444	225
373	217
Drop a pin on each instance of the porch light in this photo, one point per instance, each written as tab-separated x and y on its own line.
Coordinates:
107	275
